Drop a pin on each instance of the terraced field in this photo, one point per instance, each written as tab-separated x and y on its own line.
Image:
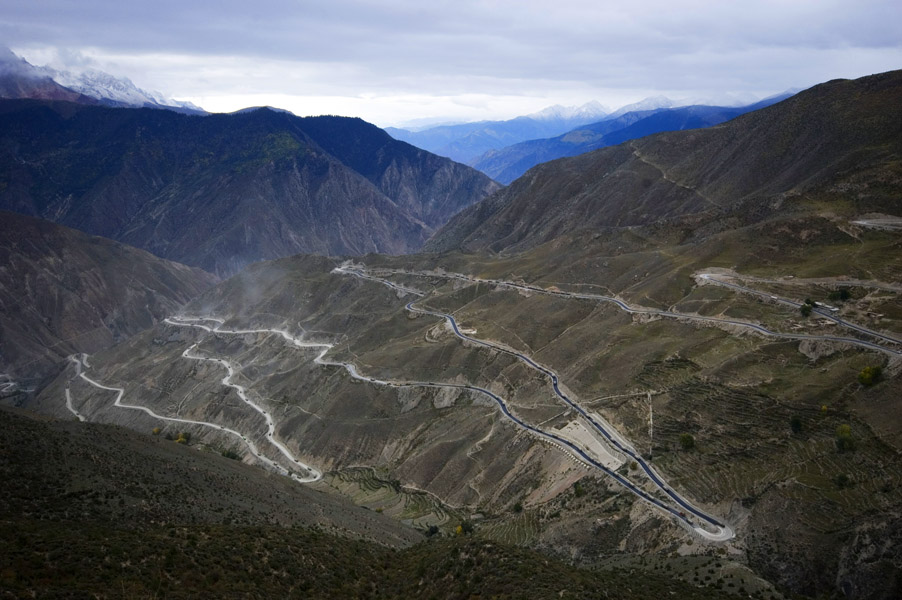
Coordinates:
412	507
522	529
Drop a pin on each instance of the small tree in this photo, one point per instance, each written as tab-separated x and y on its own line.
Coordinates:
687	442
805	309
844	439
518	507
870	375
796	423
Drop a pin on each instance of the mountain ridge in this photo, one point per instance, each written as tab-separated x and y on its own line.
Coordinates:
221	191
833	130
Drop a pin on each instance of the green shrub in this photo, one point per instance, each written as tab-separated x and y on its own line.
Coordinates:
687	442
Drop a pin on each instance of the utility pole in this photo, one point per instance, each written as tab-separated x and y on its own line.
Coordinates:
651	429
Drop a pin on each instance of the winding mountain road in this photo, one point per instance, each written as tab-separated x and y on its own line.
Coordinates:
612	436
313	474
638	310
722	531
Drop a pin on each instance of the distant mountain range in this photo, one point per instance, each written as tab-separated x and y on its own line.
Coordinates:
466	142
507	164
19	79
504	150
221	191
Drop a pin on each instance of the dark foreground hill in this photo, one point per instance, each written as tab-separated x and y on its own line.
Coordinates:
842	135
63	291
221	191
100	511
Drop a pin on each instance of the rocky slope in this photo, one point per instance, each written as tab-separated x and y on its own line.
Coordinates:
841	133
62	291
221	191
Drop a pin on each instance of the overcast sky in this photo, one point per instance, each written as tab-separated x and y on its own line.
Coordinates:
392	61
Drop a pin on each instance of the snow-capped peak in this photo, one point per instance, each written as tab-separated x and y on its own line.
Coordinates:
650	103
588	110
103	86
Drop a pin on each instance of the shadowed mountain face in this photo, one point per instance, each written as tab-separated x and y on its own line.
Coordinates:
62	291
507	164
841	133
222	191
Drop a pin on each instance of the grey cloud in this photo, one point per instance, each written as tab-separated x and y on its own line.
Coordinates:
503	47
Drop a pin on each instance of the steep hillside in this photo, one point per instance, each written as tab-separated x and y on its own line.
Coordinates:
839	134
507	164
62	291
221	191
429	187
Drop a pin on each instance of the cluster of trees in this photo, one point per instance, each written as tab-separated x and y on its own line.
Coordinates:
465	528
807	307
182	437
870	375
841	295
